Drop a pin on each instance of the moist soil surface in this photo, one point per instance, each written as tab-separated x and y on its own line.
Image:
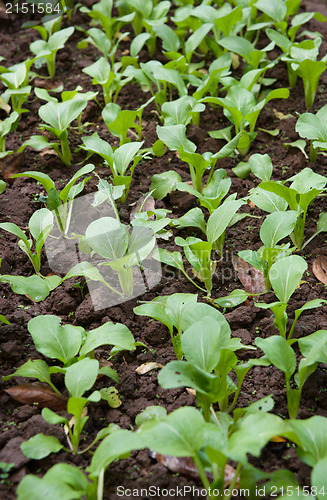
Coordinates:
22	197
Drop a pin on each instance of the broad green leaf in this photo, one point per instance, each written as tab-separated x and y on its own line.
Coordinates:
99	71
53	340
311	437
35	369
2	186
40	223
108	334
235	298
261	166
40	446
60	115
108	237
34	287
14	229
318	477
81	376
285	275
202	342
118	443
39	489
65	193
277	226
84	269
314	346
162	184
192	312
220	219
277	10
253	433
173	259
53	418
69	475
174	136
42	178
279	353
180	434
123	156
268	201
193	218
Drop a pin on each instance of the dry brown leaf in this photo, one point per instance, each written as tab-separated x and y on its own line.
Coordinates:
148	205
47	84
251	204
36	392
319	268
125	52
185	466
191	391
281	116
11	165
147	367
48	151
278	439
251	278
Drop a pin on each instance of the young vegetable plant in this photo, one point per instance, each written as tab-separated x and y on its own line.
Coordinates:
304	189
118	160
285	276
47	49
59	116
6	126
61	202
69	345
313	127
197	251
40	225
209	352
275	227
242	109
109	77
119	121
121	250
15	78
279	353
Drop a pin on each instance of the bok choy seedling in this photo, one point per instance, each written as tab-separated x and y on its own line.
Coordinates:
6	126
40	226
61	202
304	189
314	127
285	276
58	116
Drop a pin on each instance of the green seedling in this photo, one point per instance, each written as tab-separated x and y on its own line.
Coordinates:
181	111
247	50
119	121
275	227
69	345
109	77
199	252
4	320
279	353
34	287
302	62
185	433
313	127
209	352
2	186
61	202
118	160
285	276
242	109
58	116
47	49
6	126
101	13
40	225
121	250
304	189
67	96
15	78
170	310
260	165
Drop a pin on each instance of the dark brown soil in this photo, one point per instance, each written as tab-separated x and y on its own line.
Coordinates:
21	198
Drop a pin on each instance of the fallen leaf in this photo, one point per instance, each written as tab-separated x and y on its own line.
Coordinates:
278	439
36	392
147	367
48	84
281	116
251	278
251	204
125	52
144	204
235	60
11	165
191	391
186	467
319	268
48	151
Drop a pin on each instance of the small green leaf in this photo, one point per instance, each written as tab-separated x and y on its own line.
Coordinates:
40	446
